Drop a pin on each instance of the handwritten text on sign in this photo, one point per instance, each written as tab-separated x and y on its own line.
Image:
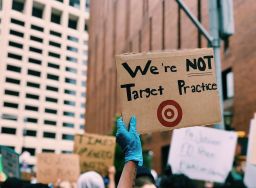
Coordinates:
96	152
202	153
167	90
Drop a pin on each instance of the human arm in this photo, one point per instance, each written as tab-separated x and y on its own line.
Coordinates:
111	176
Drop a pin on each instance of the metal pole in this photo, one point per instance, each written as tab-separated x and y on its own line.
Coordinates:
214	30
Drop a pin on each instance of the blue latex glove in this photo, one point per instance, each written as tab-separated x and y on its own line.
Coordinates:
129	141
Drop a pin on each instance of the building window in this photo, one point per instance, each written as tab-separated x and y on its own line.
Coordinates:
51	88
49	122
18	5
49	135
37	10
32	84
86	26
70	92
67	137
7	130
83	83
66	152
57	34
50	99
29	133
34	61
50	111
74	3
82	116
228	84
72	22
30	120
70	114
17	22
32	96
74	39
12	81
9	117
70	81
13	68
52	54
31	108
37	39
32	151
69	69
11	105
37	28
16	33
56	16
34	73
71	59
71	103
10	92
58	45
72	49
48	151
52	65
14	56
52	77
36	50
15	44
70	125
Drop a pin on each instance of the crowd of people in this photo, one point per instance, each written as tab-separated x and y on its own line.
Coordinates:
133	174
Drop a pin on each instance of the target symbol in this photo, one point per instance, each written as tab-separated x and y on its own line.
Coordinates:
169	113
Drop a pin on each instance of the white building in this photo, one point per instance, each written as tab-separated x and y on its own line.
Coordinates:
43	65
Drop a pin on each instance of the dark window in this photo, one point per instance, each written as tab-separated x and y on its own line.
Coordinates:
51	111
70	125
10	92
31	108
37	39
70	81
52	77
71	114
36	50
71	59
59	1
15	44
69	69
86	26
49	99
32	96
71	38
12	80
71	103
83	83
72	49
34	73
32	84
49	135
74	3
49	122
7	130
66	152
9	117
51	88
37	10
30	120
81	126
52	54
17	22
82	116
16	33
11	105
56	16
37	28
228	84
18	5
67	137
70	92
48	151
83	94
72	22
52	65
54	44
35	61
29	133
14	56
13	68
32	151
55	33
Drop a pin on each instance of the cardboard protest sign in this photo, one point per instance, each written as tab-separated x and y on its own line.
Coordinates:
96	152
10	162
168	90
202	153
52	167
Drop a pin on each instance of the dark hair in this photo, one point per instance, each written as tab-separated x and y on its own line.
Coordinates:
143	180
176	181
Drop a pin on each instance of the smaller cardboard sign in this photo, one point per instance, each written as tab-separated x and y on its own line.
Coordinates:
96	152
53	167
168	90
10	162
202	153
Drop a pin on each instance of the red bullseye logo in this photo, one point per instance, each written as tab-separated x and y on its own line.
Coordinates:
169	113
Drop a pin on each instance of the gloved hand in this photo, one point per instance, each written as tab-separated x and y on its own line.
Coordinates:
129	141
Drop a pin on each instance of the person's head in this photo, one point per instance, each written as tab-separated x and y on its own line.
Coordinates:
176	181
144	178
90	180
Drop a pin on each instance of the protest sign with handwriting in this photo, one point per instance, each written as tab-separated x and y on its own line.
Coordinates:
53	167
96	152
202	153
168	90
